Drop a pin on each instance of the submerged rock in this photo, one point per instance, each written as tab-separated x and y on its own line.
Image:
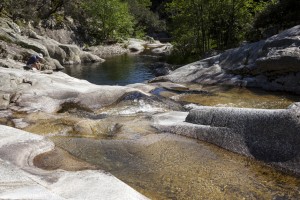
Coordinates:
160	69
21	179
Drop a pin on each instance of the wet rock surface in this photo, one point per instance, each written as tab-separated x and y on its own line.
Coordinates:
166	166
118	137
21	179
48	93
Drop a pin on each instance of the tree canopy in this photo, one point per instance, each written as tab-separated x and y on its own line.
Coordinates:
196	26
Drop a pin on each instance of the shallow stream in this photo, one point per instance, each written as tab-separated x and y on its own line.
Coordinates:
160	165
166	166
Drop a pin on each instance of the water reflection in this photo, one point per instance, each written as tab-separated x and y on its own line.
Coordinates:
118	70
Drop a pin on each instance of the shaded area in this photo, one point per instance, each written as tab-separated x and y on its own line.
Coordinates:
118	70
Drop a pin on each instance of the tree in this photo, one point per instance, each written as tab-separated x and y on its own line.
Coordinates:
108	19
201	25
145	19
278	15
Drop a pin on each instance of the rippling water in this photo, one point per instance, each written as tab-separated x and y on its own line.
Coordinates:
118	70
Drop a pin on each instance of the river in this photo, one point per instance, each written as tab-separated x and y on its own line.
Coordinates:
118	70
166	166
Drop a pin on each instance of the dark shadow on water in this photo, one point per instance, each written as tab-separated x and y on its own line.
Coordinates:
118	70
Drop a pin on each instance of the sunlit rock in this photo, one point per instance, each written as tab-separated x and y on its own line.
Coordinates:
272	64
271	136
21	179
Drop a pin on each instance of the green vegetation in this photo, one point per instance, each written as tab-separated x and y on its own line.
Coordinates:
146	21
201	25
96	20
196	26
276	17
108	19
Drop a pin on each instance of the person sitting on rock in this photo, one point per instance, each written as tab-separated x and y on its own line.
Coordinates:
35	62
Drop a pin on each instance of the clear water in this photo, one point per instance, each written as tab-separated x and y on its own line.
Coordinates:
118	70
164	166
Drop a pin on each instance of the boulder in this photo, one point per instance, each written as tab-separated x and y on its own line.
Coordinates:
9	63
164	50
271	136
136	45
160	68
4	101
72	54
15	44
272	64
54	64
107	50
87	57
48	92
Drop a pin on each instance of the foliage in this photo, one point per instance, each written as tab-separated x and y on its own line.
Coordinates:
108	19
145	19
278	15
201	25
197	26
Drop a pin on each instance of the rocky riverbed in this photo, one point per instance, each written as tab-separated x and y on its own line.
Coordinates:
112	128
126	129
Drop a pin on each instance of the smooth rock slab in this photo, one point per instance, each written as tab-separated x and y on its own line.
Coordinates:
20	179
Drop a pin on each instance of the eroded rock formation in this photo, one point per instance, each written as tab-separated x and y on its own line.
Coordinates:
272	64
271	136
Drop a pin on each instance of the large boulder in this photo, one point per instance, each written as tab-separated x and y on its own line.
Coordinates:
108	50
34	43
35	91
136	45
10	63
272	64
271	136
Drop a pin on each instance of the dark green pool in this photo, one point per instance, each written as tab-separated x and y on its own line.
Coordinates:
117	70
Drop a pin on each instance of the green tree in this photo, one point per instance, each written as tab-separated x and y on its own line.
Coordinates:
201	25
145	19
108	19
278	15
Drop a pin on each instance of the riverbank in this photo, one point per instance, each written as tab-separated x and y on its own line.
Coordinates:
272	64
112	128
17	44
